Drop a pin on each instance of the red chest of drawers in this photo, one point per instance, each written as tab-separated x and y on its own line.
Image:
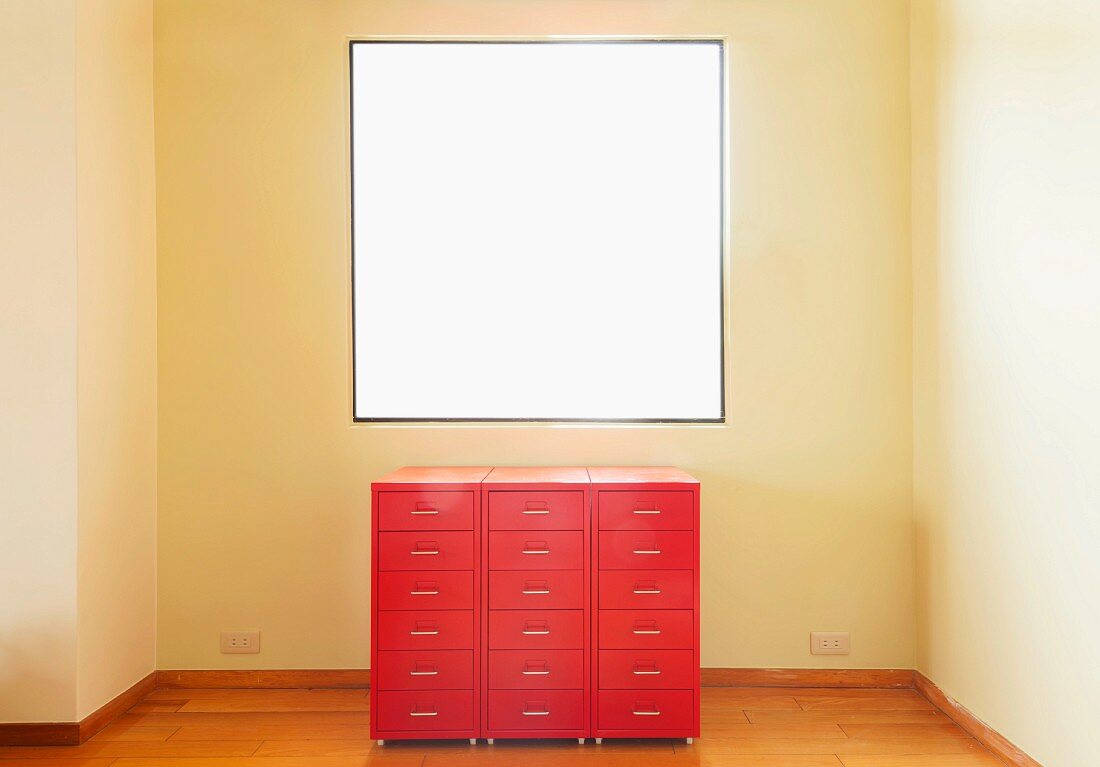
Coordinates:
545	602
646	592
426	612
536	542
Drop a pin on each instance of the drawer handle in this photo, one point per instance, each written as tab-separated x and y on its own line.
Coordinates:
647	511
423	593
655	672
647	631
647	591
536	633
535	511
536	591
647	551
646	713
424	511
423	713
419	553
423	633
536	551
536	713
535	673
426	673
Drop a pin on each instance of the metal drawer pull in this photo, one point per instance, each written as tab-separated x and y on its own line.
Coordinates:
647	713
647	631
535	673
647	551
535	511
424	511
647	591
423	593
648	673
536	713
536	551
419	553
423	673
536	633
423	633
647	511
423	713
536	591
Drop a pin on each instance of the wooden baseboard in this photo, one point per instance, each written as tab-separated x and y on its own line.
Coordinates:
267	679
75	733
105	714
711	677
40	734
1001	746
806	677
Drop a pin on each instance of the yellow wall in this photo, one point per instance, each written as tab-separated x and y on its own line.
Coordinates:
37	362
117	367
1007	376
264	482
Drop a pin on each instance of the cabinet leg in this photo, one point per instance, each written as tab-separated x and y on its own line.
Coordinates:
580	741
381	742
690	740
473	741
599	741
489	741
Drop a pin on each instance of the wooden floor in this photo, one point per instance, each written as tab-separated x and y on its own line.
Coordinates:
742	727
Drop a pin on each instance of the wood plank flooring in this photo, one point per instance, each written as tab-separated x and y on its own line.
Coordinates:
742	727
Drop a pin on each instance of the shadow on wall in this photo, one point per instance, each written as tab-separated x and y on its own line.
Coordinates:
34	685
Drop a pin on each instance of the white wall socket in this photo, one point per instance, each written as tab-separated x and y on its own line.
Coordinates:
240	641
830	642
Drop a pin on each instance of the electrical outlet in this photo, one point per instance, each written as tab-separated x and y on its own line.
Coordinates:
830	642
240	641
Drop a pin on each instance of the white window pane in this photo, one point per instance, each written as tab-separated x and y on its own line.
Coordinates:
537	230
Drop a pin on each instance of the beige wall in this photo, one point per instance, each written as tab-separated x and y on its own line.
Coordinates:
78	356
264	482
117	367
37	362
1007	376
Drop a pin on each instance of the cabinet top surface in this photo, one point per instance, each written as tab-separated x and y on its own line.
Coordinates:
630	474
599	475
414	475
538	474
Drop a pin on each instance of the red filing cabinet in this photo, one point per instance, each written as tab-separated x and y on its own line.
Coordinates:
536	546
645	635
426	612
541	602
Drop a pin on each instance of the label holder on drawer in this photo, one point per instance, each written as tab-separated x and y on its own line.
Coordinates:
536	587
536	628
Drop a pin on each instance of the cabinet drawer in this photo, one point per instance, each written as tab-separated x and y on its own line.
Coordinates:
425	629
425	511
536	709
536	629
647	669
518	589
651	549
425	590
646	629
531	510
424	710
428	550
424	670
653	589
536	550
645	709
536	669
652	510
